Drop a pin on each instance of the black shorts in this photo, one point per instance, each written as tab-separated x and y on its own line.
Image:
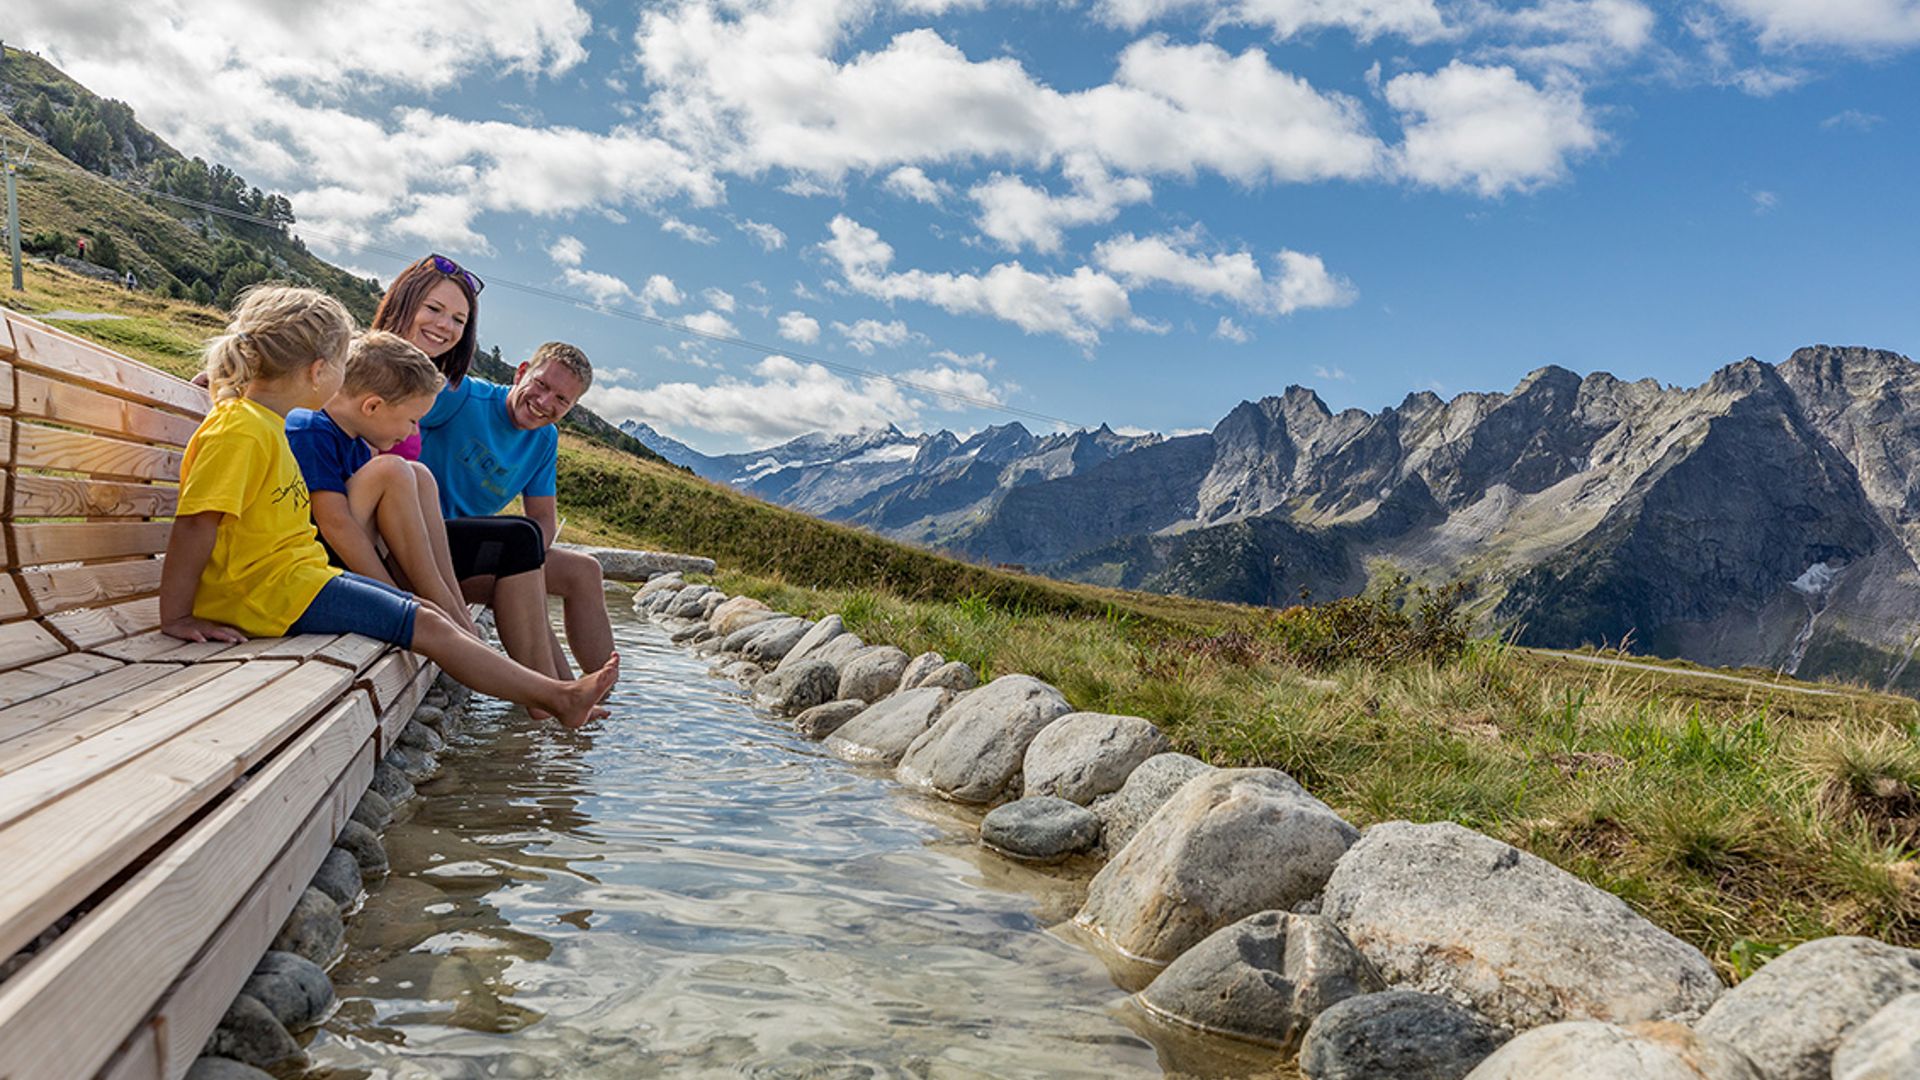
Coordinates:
495	546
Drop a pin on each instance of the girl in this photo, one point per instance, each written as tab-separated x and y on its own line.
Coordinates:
243	559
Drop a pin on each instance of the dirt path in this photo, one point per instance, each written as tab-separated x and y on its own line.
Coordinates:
1688	673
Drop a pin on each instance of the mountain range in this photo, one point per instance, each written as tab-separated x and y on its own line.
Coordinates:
1769	517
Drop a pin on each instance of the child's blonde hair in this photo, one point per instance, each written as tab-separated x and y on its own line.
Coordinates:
275	330
390	367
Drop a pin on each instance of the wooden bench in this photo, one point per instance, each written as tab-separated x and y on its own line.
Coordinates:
162	804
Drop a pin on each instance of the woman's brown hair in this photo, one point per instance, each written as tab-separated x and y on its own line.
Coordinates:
404	297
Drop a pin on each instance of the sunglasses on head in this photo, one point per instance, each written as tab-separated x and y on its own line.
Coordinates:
452	269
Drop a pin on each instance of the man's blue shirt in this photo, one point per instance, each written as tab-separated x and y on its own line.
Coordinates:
479	458
327	455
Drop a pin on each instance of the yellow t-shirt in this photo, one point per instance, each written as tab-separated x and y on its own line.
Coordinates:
267	563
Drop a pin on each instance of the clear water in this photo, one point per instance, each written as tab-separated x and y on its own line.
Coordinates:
691	889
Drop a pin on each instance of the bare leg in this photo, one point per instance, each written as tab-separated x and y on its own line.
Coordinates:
473	663
576	580
384	497
437	538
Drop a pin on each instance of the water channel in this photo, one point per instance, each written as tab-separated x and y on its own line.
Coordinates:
691	889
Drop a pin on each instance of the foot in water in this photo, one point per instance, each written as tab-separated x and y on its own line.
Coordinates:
579	702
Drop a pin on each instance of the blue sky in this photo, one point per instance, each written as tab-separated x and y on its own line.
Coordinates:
1131	211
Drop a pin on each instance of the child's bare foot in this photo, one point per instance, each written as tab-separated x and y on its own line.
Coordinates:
580	701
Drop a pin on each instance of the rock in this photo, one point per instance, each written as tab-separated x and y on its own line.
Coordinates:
714	600
1593	1050
338	877
1790	1016
1148	788
823	632
1042	828
1442	908
702	634
373	810
1084	755
919	668
294	989
654	603
421	737
772	647
737	641
621	564
657	583
390	784
221	1068
1397	1035
797	689
365	847
823	720
721	619
416	764
1886	1046
1230	843
685	634
873	674
690	603
953	675
1264	978
435	717
250	1033
838	650
973	751
881	733
745	672
313	929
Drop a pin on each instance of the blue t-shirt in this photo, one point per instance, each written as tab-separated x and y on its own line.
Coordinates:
327	455
479	458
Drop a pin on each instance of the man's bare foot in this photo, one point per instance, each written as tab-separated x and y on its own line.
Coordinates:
580	701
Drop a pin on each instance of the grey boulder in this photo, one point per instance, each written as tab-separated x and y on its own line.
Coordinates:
737	612
919	668
690	603
1398	1035
1147	788
745	672
1886	1046
823	720
296	990
821	634
872	674
953	675
249	1032
622	564
366	848
737	641
657	584
839	649
771	647
1085	755
797	689
973	752
1595	1050
1263	979
391	784
1790	1016
313	929
224	1068
1230	843
338	876
1041	828
373	810
881	733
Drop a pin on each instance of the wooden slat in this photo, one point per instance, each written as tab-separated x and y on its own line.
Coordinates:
299	647
12	604
139	1057
38	730
70	496
39	347
64	403
6	335
88	627
355	651
19	720
116	962
78	586
22	643
400	709
51	675
151	645
39	447
386	679
6	380
62	542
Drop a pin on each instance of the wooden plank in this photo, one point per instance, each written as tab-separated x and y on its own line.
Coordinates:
39	447
6	334
139	1057
72	496
355	651
299	647
400	710
22	643
39	347
117	961
19	720
51	675
387	678
151	645
79	586
6	378
12	604
88	627
63	542
76	406
50	778
34	734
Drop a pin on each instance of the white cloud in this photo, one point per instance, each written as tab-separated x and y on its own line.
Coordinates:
799	326
719	299
1487	128
604	288
909	182
868	334
955	389
769	237
567	251
660	291
1871	25
1577	34
1019	215
979	361
784	399
1764	202
1416	20
1335	374
1301	281
710	322
1228	330
1074	306
1852	120
686	230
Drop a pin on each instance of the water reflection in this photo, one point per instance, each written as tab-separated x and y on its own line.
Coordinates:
691	890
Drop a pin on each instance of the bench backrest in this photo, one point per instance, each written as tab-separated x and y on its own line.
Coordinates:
91	443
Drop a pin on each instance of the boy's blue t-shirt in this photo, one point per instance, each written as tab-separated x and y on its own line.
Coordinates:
477	455
327	455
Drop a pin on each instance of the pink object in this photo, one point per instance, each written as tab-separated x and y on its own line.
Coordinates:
408	447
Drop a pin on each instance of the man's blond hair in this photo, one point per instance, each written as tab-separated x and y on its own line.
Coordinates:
567	356
389	367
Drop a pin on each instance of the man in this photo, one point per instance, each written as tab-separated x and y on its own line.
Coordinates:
487	444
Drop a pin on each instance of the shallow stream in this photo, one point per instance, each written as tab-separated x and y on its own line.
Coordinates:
691	889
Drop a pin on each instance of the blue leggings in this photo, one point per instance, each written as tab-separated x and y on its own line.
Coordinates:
352	604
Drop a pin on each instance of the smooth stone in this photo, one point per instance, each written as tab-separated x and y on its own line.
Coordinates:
248	1033
1398	1035
797	689
718	619
435	717
737	641
919	668
313	929
417	764
872	674
1263	979
1445	909
656	584
1146	790
293	988
420	737
623	564
391	784
772	647
338	876
373	810
954	675
714	600
1230	843
882	732
690	603
222	1068
685	634
651	603
1790	1016
704	634
1595	1050
823	720
1084	755
745	672
818	637
840	649
972	753
1885	1046
1041	828
366	848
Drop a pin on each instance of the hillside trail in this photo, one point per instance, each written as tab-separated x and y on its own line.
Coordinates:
1688	673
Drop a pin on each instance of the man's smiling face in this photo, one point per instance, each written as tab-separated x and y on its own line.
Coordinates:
542	395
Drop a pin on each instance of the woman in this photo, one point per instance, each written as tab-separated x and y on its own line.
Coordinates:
435	305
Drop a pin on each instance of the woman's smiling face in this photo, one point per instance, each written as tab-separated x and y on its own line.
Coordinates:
439	320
